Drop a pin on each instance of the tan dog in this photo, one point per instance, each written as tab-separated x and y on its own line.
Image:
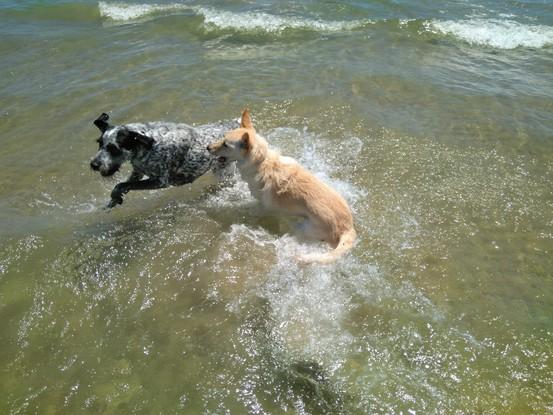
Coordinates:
280	183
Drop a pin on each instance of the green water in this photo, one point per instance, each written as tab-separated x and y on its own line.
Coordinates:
186	300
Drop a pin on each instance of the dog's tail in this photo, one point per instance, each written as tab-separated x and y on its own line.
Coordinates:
347	239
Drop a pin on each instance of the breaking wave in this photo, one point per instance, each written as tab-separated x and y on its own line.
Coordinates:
495	33
501	34
259	21
215	19
127	12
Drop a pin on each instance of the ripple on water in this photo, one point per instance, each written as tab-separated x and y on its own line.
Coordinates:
202	300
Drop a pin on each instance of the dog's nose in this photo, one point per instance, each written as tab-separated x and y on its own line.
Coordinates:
208	147
94	165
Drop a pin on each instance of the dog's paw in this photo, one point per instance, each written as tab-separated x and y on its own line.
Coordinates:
117	200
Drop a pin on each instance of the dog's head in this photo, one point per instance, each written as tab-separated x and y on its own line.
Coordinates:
116	145
237	144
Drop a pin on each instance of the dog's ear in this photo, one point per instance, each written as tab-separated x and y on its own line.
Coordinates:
246	142
134	139
146	141
102	122
246	121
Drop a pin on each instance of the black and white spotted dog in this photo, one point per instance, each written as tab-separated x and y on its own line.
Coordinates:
168	154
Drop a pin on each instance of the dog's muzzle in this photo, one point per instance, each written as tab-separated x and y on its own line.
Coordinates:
211	151
95	165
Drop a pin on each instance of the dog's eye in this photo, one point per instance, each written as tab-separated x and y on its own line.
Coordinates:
113	150
225	144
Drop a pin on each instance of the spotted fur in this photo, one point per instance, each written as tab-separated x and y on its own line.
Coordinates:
167	154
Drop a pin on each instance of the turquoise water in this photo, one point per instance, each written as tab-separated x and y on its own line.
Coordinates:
433	120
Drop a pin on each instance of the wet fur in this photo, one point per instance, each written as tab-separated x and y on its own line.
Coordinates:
282	184
162	154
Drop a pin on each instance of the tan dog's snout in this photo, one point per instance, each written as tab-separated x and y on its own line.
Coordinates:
213	147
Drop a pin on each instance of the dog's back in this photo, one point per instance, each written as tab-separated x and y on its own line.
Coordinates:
179	152
170	132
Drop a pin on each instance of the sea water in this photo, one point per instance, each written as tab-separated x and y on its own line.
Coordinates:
433	119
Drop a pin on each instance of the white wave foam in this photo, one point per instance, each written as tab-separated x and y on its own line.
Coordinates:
126	12
215	19
260	21
502	34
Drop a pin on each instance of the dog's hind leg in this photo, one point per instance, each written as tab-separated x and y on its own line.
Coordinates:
121	188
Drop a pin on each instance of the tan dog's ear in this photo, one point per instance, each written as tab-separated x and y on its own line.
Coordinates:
246	121
246	144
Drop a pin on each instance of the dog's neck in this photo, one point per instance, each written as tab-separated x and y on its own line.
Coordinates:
258	153
259	150
137	155
254	164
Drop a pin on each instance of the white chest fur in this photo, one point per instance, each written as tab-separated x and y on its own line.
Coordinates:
264	192
249	175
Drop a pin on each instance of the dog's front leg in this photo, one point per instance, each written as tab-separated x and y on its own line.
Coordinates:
121	188
135	176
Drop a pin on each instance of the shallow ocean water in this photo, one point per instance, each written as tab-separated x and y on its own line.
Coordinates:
434	122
